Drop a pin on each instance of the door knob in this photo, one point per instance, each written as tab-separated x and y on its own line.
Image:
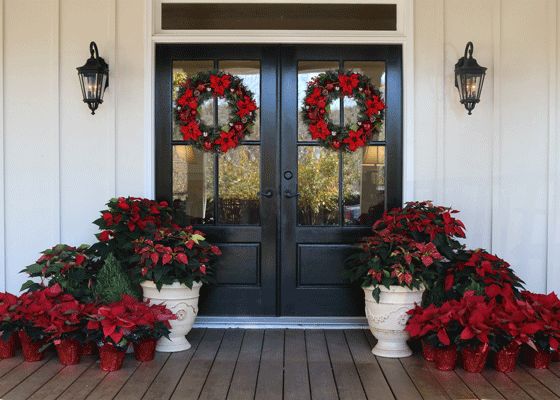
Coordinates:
267	193
290	195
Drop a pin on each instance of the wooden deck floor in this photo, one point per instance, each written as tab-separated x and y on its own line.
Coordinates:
271	364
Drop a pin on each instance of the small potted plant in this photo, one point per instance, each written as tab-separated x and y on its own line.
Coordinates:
151	324
8	327
171	268
88	346
393	271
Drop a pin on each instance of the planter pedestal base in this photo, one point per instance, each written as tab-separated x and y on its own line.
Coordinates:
177	343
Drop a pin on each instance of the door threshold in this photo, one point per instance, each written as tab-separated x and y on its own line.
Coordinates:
282	322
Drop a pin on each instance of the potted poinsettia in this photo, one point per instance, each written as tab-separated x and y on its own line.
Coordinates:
151	324
394	271
8	327
70	267
172	266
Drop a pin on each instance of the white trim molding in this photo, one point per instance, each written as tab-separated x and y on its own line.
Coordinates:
282	322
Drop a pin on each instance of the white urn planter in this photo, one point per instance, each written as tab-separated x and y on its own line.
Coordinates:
387	319
183	302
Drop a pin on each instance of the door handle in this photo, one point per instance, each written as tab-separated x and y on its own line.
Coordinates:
290	195
267	193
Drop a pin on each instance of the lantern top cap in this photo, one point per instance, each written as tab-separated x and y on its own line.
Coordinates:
467	63
94	63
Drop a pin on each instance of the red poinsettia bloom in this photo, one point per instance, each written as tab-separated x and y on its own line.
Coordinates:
374	106
219	84
191	131
227	140
348	82
245	106
320	130
188	100
316	98
105	236
355	140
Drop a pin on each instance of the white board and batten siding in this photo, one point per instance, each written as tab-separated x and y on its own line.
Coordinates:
500	166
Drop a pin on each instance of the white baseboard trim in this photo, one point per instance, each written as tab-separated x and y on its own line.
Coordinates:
282	322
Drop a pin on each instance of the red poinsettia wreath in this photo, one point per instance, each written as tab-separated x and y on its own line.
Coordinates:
332	85
205	86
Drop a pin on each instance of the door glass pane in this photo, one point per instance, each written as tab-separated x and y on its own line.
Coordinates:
239	184
364	185
181	70
193	184
306	71
250	73
318	186
375	70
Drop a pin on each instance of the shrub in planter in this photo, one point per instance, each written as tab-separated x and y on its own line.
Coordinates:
70	267
172	266
112	282
8	327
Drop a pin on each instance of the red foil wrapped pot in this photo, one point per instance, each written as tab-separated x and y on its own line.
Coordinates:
145	350
428	351
88	348
8	347
446	358
505	360
474	359
537	359
30	348
68	351
556	356
111	358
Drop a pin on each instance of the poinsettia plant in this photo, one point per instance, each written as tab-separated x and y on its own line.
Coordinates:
125	220
425	222
66	319
8	304
512	321
111	324
544	330
151	320
175	255
475	318
70	267
388	259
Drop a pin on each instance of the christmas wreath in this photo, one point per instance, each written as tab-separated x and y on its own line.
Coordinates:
332	85
204	86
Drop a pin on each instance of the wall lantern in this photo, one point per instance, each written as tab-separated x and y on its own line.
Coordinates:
94	78
469	78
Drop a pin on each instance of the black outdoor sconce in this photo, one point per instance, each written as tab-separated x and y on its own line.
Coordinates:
94	78
469	78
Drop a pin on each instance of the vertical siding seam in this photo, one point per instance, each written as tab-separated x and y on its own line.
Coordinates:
3	226
58	27
441	109
115	97
149	135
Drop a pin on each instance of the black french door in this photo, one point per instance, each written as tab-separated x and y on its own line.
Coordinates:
285	211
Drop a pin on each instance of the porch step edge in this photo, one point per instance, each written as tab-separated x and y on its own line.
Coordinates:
282	322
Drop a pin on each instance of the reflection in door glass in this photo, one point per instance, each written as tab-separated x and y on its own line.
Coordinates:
193	184
364	185
318	186
238	185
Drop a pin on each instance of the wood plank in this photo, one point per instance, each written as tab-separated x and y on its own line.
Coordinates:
142	378
20	373
554	367
114	381
373	381
451	383
59	383
296	377
533	387
321	378
395	374
244	379
82	386
547	378
191	383
8	364
478	384
345	374
503	383
36	380
166	380
420	374
219	378
270	381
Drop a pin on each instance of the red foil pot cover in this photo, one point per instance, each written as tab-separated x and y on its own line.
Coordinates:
111	358
446	358
145	350
428	351
537	359
8	347
474	359
505	360
30	348
68	351
88	348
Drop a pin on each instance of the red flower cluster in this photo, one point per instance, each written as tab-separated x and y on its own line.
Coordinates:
203	87
331	85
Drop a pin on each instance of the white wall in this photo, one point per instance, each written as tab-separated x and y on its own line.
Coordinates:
500	166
